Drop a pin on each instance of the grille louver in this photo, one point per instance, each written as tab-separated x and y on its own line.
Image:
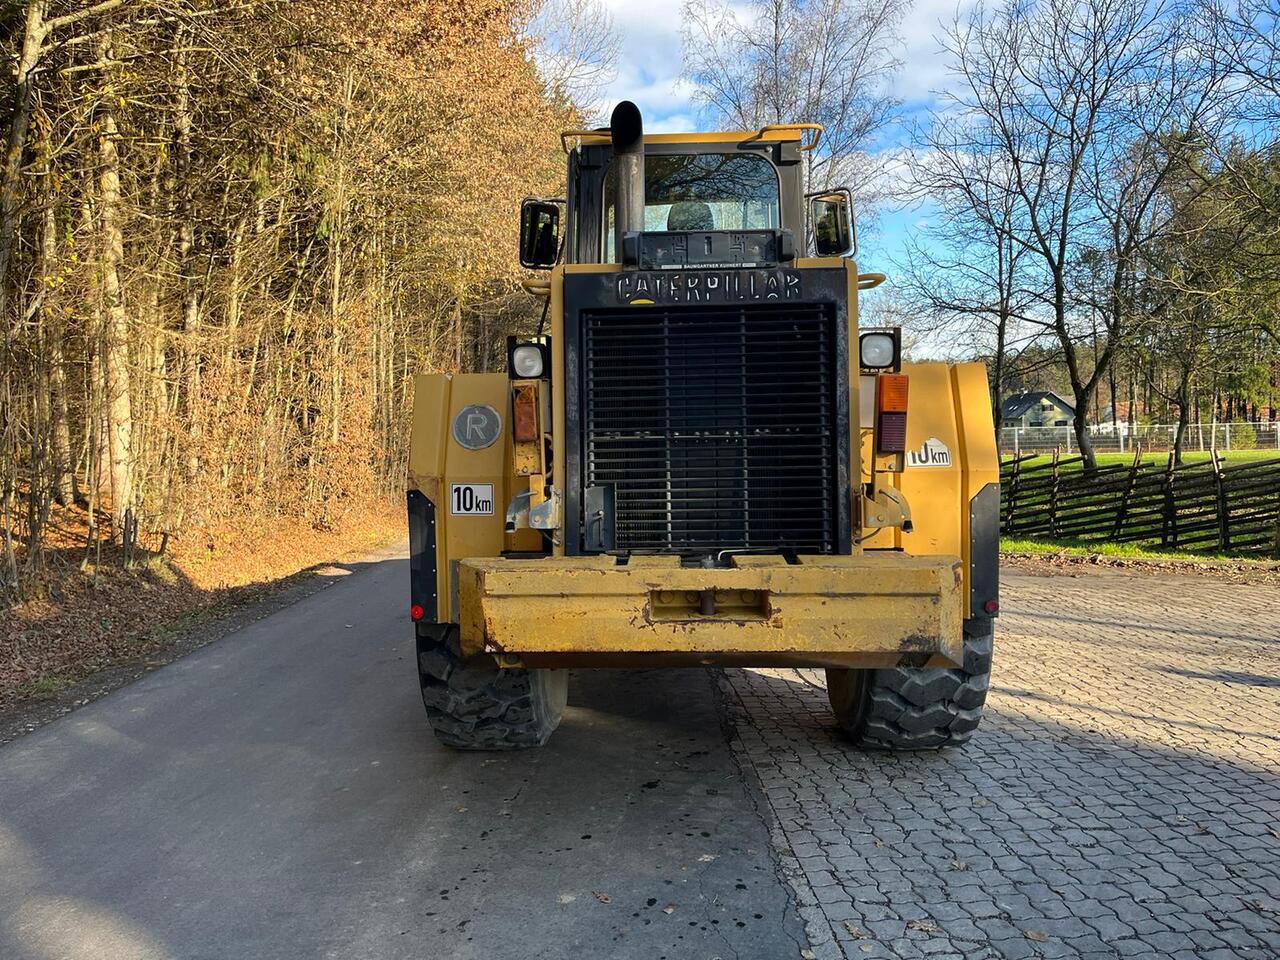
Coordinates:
714	425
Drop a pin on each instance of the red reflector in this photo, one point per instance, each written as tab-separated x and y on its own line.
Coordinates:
991	606
525	415
892	435
416	612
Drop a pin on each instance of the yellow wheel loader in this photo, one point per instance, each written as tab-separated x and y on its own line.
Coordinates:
702	461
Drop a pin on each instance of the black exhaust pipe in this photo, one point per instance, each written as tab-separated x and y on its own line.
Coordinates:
626	129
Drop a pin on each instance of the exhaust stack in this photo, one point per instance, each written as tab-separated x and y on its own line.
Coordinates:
627	132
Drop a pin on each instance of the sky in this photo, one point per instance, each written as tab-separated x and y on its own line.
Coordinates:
650	69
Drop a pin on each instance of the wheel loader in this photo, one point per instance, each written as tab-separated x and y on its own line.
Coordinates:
702	459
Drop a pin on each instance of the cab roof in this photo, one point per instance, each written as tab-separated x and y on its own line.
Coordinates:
773	133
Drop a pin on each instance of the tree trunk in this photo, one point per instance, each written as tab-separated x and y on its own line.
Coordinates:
1184	412
115	346
997	388
1081	429
16	143
63	479
1115	417
185	214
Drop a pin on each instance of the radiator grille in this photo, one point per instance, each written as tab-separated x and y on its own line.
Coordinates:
714	425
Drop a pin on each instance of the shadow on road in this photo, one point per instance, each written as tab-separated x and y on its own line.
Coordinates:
279	793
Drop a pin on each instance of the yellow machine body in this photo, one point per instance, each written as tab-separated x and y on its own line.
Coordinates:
899	596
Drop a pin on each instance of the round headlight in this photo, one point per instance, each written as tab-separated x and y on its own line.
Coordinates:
877	350
526	361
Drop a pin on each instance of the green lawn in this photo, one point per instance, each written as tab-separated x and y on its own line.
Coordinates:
1106	459
1129	550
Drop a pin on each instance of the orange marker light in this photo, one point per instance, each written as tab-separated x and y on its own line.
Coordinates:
524	425
891	393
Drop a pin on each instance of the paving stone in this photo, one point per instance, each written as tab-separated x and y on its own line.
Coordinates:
1118	799
1110	928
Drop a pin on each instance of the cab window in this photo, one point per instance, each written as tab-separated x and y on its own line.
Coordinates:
701	191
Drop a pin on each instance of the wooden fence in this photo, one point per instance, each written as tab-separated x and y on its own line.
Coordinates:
1205	506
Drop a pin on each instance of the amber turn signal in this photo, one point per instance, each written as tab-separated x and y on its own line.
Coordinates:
524	406
891	393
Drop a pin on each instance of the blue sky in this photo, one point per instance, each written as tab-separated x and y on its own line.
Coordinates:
650	68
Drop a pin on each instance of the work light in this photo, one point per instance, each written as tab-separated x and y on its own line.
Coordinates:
878	351
526	361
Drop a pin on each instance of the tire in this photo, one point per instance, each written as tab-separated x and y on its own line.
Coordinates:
475	705
904	708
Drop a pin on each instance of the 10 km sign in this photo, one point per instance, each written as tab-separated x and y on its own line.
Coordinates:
471	499
932	453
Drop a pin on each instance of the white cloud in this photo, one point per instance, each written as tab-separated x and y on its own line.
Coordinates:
650	66
924	68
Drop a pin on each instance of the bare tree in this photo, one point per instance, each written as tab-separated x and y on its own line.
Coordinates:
969	276
576	48
780	61
1247	40
1091	105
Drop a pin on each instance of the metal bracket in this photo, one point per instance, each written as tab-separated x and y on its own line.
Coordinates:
518	511
598	512
546	515
889	508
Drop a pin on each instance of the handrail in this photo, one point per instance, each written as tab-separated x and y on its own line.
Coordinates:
817	129
537	287
567	135
869	281
775	128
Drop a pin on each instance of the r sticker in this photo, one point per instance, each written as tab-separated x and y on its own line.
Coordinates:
932	453
476	426
471	500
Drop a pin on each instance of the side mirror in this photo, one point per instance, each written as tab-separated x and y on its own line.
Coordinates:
831	223
539	233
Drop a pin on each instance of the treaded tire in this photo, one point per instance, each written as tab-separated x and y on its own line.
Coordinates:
475	705
903	708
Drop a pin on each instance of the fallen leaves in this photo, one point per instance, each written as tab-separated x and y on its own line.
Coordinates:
1039	936
602	897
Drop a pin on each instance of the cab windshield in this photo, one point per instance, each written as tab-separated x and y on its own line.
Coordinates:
702	191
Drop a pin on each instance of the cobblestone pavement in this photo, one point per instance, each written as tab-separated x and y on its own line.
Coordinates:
1122	798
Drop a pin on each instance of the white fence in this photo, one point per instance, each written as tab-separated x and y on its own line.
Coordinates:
1121	438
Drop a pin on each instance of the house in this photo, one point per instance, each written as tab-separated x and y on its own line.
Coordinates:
1036	408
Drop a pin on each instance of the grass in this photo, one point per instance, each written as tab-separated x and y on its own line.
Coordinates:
1188	457
44	687
1132	551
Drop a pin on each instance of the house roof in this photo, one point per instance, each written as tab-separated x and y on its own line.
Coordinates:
1019	403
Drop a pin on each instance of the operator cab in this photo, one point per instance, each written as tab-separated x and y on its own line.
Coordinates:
714	199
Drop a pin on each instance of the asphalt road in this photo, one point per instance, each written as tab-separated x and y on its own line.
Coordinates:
277	794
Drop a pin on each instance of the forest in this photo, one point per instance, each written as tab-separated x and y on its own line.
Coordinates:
229	233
